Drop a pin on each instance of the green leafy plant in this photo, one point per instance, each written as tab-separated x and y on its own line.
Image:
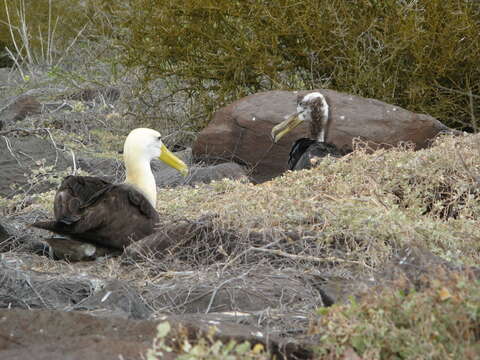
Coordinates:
442	322
204	348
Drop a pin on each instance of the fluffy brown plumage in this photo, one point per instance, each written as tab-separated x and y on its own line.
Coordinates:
92	210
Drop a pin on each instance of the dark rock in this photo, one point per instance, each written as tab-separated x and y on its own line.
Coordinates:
21	236
30	289
20	157
113	170
109	169
5	231
19	108
240	132
200	175
417	266
116	298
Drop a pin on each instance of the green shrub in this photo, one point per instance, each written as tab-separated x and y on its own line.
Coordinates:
442	322
41	30
422	55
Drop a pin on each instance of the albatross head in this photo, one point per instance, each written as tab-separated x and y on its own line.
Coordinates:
312	108
141	146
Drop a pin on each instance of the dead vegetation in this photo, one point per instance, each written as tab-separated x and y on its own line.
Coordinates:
279	250
269	255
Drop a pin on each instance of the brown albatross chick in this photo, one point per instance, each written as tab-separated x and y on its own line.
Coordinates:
306	152
114	215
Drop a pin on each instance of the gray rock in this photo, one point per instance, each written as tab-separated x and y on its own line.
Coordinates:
113	170
15	234
18	108
240	132
30	289
110	169
20	157
5	231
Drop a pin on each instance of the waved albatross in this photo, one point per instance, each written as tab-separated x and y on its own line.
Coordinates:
90	209
312	108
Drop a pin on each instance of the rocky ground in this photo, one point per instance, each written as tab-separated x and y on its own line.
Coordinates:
252	262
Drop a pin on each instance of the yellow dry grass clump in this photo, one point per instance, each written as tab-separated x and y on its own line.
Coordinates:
367	203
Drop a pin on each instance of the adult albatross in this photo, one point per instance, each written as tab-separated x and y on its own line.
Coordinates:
90	209
312	108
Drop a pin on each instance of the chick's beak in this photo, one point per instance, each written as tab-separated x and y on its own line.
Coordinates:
280	130
171	160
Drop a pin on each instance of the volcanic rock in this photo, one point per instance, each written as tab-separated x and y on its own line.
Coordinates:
240	132
21	158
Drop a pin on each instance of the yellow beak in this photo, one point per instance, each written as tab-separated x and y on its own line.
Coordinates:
278	131
171	160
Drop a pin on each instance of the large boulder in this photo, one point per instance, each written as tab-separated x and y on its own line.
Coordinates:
241	130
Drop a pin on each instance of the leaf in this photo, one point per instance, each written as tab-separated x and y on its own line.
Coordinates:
258	348
444	294
163	329
358	343
242	348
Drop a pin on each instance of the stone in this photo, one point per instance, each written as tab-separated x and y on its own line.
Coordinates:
200	175
240	132
20	157
19	108
113	170
5	232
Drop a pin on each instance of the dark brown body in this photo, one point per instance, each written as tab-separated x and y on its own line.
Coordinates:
95	211
306	153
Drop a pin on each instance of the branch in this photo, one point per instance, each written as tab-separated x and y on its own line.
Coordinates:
25	131
306	257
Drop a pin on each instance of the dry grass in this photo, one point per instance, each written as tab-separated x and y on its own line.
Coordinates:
438	323
353	212
359	208
364	204
344	219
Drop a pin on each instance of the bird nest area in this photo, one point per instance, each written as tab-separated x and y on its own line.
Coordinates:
273	253
354	211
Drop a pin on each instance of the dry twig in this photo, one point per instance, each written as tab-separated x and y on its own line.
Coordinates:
306	257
